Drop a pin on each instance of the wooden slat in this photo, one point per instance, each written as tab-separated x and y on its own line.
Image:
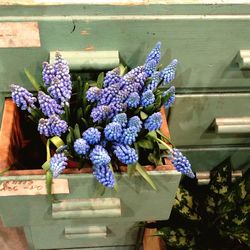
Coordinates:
152	242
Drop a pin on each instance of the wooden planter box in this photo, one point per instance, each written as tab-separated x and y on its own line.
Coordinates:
83	218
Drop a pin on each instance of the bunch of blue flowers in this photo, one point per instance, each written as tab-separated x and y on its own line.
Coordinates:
113	122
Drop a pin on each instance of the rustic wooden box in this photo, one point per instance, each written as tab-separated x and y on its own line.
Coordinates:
83	218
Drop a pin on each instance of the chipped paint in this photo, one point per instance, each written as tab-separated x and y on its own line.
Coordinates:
84	32
19	34
89	48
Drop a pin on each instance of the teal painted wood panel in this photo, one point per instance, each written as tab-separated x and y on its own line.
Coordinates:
138	200
191	119
53	236
206	158
150	7
104	248
206	58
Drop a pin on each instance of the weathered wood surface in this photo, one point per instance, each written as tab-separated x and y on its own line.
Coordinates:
151	242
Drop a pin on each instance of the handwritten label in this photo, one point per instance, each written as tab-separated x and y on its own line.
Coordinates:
32	187
19	34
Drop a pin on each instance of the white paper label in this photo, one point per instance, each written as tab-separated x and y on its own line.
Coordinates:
32	187
19	34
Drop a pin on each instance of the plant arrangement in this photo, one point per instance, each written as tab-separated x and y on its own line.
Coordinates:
105	124
215	216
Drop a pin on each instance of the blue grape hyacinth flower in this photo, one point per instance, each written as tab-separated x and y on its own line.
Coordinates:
133	100
121	118
113	131
22	97
52	126
112	77
155	54
48	105
104	175
153	122
155	80
81	147
168	74
58	163
171	99
99	156
93	94
135	122
48	73
150	67
92	135
100	113
125	154
147	98
181	163
128	136
60	91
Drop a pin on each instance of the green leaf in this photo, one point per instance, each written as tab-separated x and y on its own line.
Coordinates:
85	122
100	189
4	171
67	113
100	79
46	165
241	234
152	158
87	110
157	102
32	79
79	114
70	138
85	89
218	186
145	143
184	204
164	136
152	134
131	169
177	237
49	179
57	141
235	205
116	185
145	175
165	98
150	109
143	115
123	70
77	132
48	150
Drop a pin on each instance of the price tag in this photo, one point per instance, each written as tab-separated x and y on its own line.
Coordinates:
19	34
32	187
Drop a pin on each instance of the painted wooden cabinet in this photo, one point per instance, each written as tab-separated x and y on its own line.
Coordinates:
80	216
213	85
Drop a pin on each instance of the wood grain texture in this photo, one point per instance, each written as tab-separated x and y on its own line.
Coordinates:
151	242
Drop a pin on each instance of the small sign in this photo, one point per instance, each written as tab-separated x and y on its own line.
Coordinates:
32	187
19	34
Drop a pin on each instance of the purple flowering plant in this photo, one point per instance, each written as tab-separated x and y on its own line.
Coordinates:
112	122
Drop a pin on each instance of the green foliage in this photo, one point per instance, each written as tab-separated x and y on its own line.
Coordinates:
216	216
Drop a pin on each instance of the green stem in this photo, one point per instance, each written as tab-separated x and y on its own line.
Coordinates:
165	137
162	142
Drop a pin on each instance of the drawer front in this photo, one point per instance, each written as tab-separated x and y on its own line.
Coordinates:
136	201
206	158
207	59
84	235
192	119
